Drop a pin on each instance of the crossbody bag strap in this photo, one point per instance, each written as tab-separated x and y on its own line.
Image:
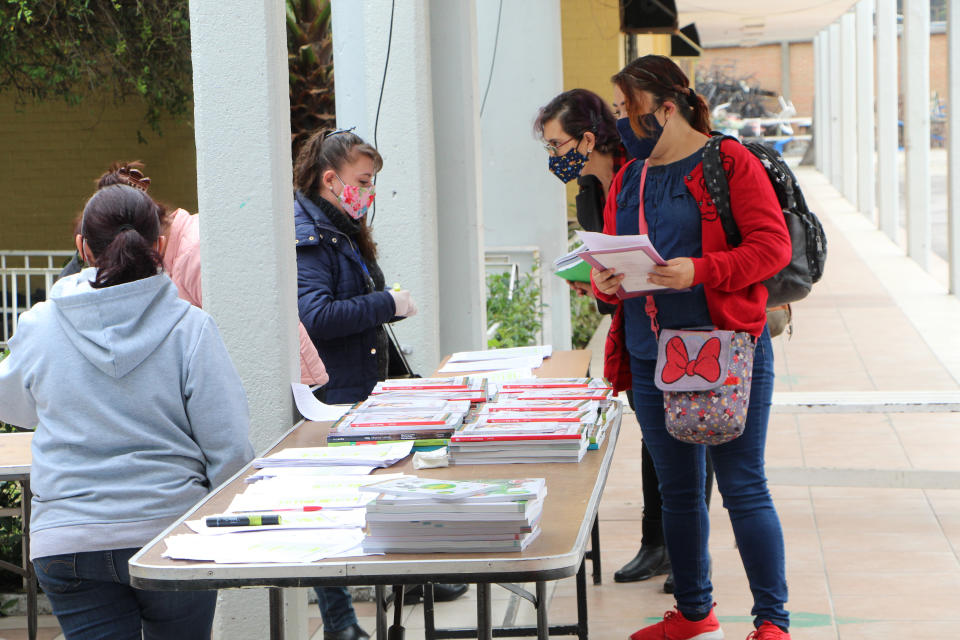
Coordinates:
650	308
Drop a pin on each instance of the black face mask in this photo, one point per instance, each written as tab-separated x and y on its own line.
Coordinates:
639	148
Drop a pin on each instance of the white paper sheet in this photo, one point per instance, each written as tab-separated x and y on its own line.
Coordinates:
543	351
346	519
264	546
309	472
380	455
312	409
525	362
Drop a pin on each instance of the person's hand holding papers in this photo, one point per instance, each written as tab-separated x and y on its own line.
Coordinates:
676	274
608	281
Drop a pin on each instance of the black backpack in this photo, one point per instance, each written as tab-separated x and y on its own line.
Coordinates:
806	233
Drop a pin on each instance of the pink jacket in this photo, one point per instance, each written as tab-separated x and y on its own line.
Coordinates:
181	261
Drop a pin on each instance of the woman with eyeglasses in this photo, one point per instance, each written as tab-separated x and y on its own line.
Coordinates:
718	286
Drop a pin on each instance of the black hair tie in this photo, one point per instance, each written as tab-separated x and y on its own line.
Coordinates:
691	94
126	227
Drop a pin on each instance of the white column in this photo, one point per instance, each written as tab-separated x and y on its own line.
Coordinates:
817	104
848	101
523	204
916	119
953	144
826	101
405	222
836	90
866	174
785	89
242	124
456	113
888	129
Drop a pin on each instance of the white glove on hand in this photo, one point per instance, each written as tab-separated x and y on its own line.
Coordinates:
404	303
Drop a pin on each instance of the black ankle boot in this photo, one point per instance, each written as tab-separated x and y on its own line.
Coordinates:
668	583
650	561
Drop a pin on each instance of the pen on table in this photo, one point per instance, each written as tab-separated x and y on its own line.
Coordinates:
242	521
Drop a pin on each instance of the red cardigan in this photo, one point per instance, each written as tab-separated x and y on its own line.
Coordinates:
732	277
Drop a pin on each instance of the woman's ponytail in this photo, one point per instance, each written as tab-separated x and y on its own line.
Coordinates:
121	226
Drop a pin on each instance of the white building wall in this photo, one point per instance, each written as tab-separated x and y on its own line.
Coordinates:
523	204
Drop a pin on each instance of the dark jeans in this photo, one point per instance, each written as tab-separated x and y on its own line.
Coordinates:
681	468
336	608
92	598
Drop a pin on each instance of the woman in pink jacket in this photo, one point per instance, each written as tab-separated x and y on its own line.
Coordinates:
181	261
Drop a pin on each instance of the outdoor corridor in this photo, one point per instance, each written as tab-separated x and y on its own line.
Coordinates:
870	502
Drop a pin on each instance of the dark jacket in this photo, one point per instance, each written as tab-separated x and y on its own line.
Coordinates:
340	305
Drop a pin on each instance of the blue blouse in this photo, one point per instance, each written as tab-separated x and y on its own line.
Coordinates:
673	224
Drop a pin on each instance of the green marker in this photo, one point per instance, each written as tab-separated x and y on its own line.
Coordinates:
242	521
396	286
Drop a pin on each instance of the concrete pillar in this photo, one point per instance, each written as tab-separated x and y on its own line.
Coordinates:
916	119
866	174
817	140
456	112
833	63
824	123
242	124
888	129
785	70
848	101
523	204
405	222
953	143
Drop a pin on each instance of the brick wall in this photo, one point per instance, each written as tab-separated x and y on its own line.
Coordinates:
763	65
54	152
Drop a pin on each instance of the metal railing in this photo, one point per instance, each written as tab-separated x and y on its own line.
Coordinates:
25	279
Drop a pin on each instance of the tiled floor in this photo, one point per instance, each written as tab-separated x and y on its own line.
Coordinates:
878	558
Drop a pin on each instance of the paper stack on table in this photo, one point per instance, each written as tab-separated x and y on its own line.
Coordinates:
470	388
378	455
427	420
498	359
503	516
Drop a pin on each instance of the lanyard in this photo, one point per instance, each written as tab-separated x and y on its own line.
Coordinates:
363	263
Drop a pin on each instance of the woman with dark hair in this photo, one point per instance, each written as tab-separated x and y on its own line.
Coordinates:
717	285
110	470
586	142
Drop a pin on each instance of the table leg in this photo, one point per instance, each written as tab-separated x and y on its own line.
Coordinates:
582	601
484	614
595	549
396	631
31	578
429	622
543	626
276	613
380	595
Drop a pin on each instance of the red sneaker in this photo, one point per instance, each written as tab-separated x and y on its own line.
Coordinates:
676	627
768	631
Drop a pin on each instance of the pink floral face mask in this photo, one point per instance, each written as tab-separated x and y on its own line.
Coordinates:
356	200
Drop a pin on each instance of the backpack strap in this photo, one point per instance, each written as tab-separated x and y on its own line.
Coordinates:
715	179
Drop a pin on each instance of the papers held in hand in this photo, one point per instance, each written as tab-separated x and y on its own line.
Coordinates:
633	256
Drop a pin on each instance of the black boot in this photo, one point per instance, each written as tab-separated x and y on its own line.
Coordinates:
650	561
353	632
442	592
668	583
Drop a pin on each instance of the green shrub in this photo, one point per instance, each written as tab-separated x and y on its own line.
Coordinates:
519	318
584	319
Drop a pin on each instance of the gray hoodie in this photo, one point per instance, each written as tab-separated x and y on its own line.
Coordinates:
138	410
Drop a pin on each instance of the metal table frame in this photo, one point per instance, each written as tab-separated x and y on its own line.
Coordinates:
19	471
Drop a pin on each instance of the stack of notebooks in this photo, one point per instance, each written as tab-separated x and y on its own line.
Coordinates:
533	421
419	515
470	388
400	415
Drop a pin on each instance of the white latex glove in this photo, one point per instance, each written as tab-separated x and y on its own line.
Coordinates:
404	303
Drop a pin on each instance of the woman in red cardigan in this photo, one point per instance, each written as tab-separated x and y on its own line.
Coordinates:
717	285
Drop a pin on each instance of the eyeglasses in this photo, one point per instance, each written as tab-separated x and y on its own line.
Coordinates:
333	133
554	149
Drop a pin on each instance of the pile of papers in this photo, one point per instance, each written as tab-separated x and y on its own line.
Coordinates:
469	388
534	421
419	515
571	266
511	359
375	455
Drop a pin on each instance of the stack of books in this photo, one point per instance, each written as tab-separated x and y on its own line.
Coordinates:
591	389
470	388
419	515
536	439
400	415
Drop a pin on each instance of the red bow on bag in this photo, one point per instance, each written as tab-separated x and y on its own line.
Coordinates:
706	364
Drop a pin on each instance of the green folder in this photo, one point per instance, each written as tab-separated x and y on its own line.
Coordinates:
578	272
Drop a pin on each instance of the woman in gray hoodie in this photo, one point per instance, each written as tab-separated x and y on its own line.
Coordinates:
139	413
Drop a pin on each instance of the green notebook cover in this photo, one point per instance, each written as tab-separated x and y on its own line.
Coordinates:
580	272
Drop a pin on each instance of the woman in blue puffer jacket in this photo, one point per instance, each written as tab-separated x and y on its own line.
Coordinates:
342	300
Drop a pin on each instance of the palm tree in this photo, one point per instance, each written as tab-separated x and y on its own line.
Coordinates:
310	55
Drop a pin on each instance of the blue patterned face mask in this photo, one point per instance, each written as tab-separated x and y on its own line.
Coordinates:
639	148
568	166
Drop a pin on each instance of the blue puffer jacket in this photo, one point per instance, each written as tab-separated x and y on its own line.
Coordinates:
338	303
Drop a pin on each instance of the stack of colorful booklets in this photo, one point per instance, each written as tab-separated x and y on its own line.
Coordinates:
420	515
534	420
470	388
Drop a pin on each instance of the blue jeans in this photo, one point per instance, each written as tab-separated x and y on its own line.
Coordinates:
742	483
336	608
92	598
